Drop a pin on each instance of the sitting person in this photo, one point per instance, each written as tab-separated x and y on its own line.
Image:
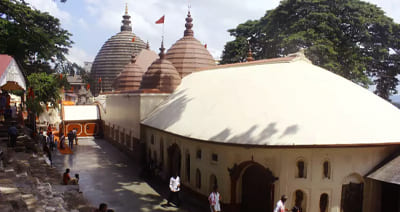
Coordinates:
102	208
66	177
74	181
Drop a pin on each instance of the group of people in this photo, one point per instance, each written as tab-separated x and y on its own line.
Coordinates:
175	186
72	136
280	206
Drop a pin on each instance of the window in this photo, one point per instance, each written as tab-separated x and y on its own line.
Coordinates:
323	202
326	170
301	169
214	157
152	139
198	154
198	179
188	167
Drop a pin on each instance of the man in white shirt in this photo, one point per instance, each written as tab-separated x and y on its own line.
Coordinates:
174	187
280	205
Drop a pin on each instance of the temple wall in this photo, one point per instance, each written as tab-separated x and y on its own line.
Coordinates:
122	114
347	164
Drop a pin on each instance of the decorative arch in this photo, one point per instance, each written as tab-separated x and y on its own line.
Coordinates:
300	200
301	168
213	182
174	160
352	193
198	179
324	202
326	169
237	170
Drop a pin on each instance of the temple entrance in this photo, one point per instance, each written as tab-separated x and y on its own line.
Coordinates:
174	160
257	189
352	197
390	197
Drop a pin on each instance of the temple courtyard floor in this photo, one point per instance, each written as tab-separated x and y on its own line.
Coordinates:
110	176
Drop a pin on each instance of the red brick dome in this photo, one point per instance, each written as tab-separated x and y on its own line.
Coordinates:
188	55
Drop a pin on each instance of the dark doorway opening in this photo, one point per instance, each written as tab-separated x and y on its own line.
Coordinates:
174	160
352	197
257	189
390	197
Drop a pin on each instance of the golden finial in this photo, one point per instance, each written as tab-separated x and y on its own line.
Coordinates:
126	8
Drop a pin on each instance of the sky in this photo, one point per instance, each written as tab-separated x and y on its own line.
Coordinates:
93	22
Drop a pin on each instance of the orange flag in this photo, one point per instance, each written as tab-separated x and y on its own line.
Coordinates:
88	86
133	39
161	20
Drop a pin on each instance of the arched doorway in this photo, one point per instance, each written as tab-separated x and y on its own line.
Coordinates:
174	160
352	193
257	189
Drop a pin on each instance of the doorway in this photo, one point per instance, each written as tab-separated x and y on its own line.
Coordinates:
257	189
174	160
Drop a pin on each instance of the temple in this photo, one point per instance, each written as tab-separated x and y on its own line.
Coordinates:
258	129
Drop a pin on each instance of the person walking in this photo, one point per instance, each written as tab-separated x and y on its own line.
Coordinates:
62	140
174	186
75	136
50	140
70	136
214	199
280	205
12	133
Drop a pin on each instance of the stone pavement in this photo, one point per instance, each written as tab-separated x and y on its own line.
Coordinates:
108	175
28	183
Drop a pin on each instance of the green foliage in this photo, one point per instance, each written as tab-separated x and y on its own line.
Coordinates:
35	39
46	88
351	38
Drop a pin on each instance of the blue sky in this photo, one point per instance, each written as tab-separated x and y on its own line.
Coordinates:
92	22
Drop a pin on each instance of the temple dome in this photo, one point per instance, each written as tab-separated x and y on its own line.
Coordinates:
114	55
161	75
131	76
188	54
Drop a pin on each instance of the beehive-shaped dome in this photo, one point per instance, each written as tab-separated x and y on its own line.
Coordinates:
131	76
161	75
114	55
188	54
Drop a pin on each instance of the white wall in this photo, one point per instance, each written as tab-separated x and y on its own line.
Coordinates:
345	162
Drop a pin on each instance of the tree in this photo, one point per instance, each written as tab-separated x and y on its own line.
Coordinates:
348	37
46	89
35	39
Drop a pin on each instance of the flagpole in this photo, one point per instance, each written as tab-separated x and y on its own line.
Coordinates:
162	38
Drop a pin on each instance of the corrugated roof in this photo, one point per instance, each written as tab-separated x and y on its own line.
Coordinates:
389	172
4	62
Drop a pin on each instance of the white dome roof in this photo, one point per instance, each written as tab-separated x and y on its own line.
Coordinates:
277	102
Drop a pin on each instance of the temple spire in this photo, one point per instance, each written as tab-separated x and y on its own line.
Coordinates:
162	49
249	57
188	25
126	22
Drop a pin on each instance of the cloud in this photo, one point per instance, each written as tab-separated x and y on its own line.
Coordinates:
52	8
78	56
